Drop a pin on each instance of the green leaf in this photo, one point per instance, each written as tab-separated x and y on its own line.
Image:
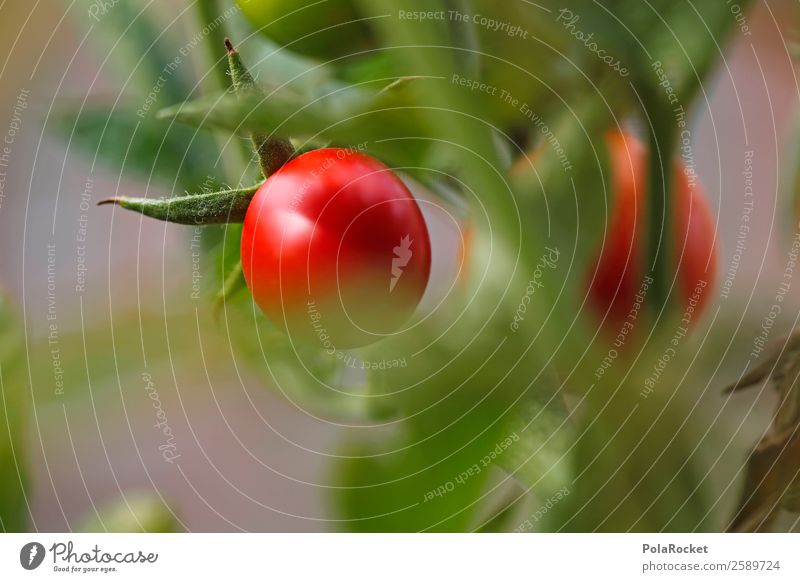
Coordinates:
492	406
123	142
541	460
137	47
234	283
638	463
687	37
692	42
156	69
14	509
454	432
377	117
407	485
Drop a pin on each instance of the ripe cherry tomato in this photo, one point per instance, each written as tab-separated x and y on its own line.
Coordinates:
335	249
318	29
619	275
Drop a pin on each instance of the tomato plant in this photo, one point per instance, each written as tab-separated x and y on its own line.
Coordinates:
618	275
317	29
335	251
335	248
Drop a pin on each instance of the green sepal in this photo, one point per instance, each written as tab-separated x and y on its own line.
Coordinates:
220	207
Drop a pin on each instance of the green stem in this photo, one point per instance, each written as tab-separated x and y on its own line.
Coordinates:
14	409
273	151
221	207
464	36
660	215
208	12
500	521
234	282
659	119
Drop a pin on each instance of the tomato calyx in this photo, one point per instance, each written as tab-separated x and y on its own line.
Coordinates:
273	151
227	205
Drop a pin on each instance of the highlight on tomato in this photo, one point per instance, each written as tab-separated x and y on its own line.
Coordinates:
335	249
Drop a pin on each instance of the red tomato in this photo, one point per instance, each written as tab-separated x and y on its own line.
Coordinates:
619	276
335	249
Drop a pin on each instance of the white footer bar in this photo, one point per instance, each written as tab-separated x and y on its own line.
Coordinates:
406	558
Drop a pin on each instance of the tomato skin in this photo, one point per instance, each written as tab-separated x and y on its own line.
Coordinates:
619	275
325	30
335	249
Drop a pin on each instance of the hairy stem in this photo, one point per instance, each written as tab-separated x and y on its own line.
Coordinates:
273	151
220	207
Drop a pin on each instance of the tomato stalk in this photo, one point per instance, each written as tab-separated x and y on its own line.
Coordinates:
659	178
233	283
273	151
207	12
223	206
661	132
465	37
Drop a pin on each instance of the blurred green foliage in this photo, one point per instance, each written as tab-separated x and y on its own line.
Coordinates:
473	382
13	414
135	512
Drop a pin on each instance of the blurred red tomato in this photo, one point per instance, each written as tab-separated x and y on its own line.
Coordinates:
619	275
